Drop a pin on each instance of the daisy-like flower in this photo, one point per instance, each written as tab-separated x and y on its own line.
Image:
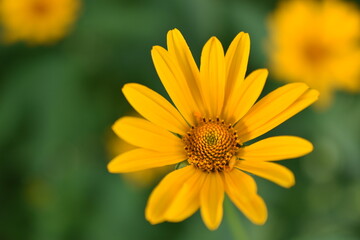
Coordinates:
207	131
316	42
37	21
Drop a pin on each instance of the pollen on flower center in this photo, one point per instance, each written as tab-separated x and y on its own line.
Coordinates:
211	145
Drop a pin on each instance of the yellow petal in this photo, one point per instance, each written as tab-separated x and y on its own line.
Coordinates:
179	51
187	200
175	83
144	134
155	108
212	77
141	159
276	148
300	104
275	102
242	192
275	108
211	200
240	181
244	95
165	193
268	170
236	60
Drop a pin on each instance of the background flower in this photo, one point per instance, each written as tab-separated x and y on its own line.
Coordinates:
37	21
317	42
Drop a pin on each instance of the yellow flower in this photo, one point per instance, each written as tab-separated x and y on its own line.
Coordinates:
213	119
143	178
37	21
317	42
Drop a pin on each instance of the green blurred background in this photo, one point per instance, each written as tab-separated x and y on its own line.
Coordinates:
58	102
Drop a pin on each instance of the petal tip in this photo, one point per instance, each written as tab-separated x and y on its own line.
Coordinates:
260	221
316	93
301	84
153	48
150	217
213	40
151	220
109	167
263	71
289	184
246	37
156	49
313	95
126	86
212	226
112	167
115	125
310	147
174	30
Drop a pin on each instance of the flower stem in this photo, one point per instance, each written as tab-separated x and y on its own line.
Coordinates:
234	221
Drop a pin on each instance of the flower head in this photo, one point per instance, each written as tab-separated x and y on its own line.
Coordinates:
37	21
213	119
316	42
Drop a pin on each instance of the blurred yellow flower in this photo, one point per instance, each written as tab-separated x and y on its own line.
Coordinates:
37	21
143	178
214	117
317	42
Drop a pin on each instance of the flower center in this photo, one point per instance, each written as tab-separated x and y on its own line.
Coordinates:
40	8
315	53
211	145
